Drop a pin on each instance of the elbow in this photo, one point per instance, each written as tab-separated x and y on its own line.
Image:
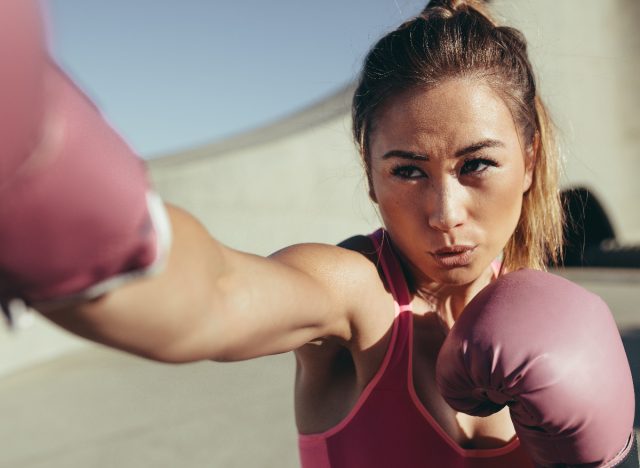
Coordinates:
198	345
171	353
166	356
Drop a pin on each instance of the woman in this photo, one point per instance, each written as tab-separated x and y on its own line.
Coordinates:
461	163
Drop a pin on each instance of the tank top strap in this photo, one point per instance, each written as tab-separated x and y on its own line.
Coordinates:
392	269
395	375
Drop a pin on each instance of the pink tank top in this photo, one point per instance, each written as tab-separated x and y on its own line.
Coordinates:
389	426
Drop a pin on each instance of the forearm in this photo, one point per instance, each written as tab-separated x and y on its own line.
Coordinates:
156	316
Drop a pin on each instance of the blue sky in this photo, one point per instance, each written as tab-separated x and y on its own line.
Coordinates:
172	75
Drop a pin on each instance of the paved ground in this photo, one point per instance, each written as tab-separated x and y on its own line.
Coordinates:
99	408
103	409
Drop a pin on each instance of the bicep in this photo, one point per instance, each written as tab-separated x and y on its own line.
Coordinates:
277	304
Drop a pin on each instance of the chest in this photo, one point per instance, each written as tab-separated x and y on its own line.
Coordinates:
467	431
324	399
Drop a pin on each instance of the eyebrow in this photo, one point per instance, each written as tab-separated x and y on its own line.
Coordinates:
405	155
488	143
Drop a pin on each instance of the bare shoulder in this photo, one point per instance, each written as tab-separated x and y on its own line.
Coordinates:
348	270
350	263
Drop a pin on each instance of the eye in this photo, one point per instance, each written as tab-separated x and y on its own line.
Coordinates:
407	172
477	165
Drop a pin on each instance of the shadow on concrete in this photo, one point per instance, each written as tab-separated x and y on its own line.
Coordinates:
631	341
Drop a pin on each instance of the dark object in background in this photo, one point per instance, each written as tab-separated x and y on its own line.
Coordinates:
590	240
631	343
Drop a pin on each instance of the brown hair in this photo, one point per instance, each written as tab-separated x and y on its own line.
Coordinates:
459	39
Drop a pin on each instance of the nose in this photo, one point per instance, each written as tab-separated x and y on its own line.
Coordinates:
446	206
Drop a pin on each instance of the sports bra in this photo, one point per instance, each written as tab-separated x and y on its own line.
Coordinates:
389	426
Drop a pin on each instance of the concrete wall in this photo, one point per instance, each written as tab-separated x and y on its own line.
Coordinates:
299	180
587	54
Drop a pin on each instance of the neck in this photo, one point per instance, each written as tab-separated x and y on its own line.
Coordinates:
446	300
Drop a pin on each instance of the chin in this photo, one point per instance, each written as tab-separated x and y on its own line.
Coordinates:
459	276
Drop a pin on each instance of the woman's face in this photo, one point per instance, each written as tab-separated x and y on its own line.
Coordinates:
448	172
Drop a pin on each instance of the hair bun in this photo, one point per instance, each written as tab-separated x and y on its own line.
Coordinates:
448	8
454	5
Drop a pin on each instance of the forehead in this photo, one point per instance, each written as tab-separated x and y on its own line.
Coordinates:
452	113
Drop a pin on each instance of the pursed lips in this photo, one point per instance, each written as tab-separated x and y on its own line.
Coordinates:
453	250
453	256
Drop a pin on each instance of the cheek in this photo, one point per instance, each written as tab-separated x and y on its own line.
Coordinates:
397	205
400	205
382	191
500	206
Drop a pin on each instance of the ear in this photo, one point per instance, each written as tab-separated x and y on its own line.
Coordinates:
531	156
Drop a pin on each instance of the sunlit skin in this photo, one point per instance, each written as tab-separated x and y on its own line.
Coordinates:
448	168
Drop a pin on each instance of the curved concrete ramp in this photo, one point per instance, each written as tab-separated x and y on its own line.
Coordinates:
103	409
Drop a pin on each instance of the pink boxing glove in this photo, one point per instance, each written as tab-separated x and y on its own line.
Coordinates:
550	350
22	56
77	217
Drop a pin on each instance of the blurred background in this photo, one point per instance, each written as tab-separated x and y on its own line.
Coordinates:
242	112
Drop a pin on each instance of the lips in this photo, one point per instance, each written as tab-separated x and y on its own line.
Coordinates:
454	256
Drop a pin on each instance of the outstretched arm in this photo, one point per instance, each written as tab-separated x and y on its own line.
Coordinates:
81	235
213	302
